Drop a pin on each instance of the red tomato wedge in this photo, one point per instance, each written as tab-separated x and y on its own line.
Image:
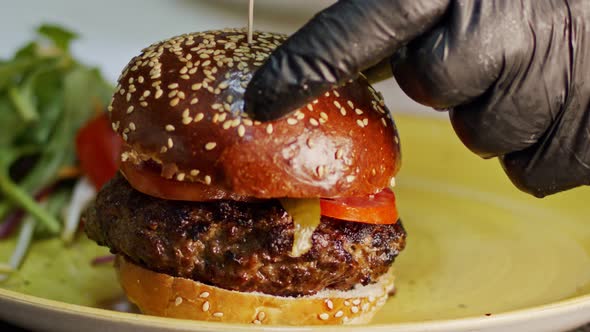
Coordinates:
98	148
375	209
149	182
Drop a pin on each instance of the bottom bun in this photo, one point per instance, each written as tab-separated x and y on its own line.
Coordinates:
163	295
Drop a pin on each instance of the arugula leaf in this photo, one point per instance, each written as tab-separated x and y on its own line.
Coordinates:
45	96
58	35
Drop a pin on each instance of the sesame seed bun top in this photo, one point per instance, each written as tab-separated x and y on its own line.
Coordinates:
180	105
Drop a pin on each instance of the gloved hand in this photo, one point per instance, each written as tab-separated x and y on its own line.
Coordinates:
514	74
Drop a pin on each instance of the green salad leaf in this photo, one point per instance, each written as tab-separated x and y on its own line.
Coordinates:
46	95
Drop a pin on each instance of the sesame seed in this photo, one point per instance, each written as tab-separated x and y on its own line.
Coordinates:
163	149
204	56
174	102
140	79
396	139
222	117
172	93
350	104
230	99
366	121
337	104
180	176
187	120
169	127
146	93
324	116
124	136
358	111
216	106
322	120
218	314
241	131
314	122
320	170
354	309
172	86
185	77
329	304
310	107
183	70
343	112
205	306
196	86
324	316
235	122
132	126
226	124
178	300
181	95
124	156
223	85
130	110
339	153
159	93
349	179
292	121
194	100
185	113
327	94
269	129
110	108
356	301
210	146
170	143
336	93
360	123
365	307
391	184
247	122
199	117
196	172
384	122
300	116
339	314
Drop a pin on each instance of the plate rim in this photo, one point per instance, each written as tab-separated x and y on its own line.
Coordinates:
548	310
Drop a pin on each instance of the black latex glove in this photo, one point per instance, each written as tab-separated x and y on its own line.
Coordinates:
515	74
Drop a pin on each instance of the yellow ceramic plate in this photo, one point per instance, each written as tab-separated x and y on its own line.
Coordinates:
480	256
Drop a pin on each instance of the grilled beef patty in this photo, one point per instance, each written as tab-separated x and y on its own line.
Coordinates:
242	246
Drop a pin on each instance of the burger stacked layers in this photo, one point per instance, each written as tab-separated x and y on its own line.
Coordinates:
218	217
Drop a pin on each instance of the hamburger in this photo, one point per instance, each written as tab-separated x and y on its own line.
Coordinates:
214	216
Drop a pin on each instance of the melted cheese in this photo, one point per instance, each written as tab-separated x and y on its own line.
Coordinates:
306	216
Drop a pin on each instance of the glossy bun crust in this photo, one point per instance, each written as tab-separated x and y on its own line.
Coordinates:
180	105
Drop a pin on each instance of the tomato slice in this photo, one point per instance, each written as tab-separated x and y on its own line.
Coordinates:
150	182
375	209
98	148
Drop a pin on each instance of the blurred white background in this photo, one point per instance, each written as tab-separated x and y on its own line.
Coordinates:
112	31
